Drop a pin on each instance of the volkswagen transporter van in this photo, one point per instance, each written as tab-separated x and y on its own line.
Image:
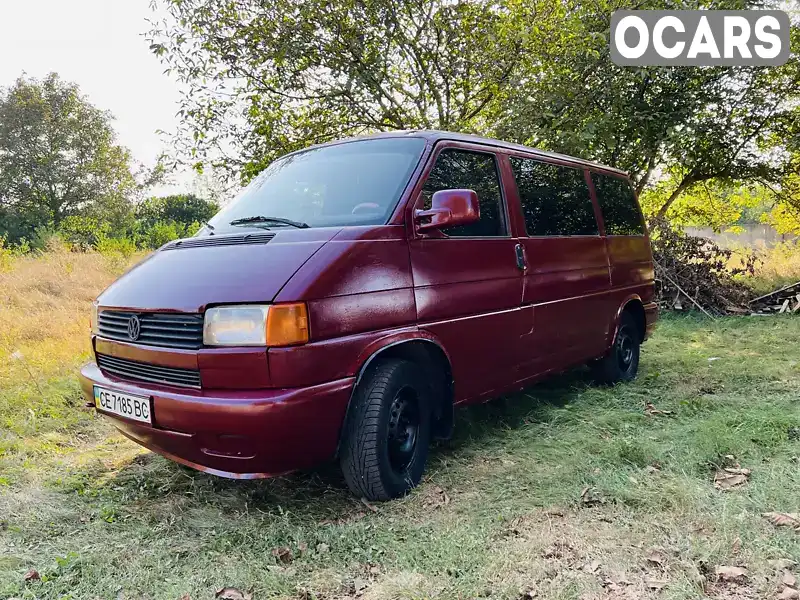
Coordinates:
356	292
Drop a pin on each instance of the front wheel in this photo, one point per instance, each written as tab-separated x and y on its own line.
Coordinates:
387	433
622	362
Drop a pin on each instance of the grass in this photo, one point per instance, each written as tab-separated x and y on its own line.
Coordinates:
563	491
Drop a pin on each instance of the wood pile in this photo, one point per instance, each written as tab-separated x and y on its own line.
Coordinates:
783	300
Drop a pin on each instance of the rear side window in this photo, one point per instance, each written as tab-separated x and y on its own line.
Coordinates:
621	214
461	169
555	199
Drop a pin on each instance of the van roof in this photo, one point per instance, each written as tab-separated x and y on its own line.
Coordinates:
434	136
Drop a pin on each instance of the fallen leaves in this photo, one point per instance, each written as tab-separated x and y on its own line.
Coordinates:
737	546
651	410
359	586
656	557
32	575
443	495
655	584
789	585
731	574
591	497
283	554
229	593
591	567
560	549
731	477
436	498
366	503
781	519
788	593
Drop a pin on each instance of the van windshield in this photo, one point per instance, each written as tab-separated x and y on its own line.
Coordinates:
353	183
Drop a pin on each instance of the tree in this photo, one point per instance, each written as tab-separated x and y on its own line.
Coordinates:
184	209
717	125
265	78
58	158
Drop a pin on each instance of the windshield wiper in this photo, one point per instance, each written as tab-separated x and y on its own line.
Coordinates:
267	220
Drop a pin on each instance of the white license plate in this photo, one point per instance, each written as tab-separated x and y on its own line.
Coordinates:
136	408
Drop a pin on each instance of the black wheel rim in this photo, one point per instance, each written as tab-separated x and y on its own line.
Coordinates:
625	349
404	421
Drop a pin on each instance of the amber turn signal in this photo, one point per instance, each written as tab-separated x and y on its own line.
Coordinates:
287	324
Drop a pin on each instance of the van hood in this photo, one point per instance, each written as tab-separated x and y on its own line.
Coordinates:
189	275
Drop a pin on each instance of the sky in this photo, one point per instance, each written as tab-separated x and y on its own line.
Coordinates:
99	45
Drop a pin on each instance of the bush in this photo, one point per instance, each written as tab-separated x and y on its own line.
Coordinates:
162	232
124	247
83	232
45	239
182	209
691	268
6	256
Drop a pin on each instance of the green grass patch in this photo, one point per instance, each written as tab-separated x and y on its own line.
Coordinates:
562	489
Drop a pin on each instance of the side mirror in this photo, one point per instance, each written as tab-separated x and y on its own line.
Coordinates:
448	209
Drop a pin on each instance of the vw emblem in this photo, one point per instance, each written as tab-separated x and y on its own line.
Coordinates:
134	328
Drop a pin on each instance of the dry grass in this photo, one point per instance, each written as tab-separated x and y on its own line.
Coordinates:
44	320
777	266
45	303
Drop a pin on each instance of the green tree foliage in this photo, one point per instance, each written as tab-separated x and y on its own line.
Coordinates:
699	126
182	209
58	159
265	78
711	203
160	220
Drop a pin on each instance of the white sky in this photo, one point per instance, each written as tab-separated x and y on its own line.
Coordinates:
98	44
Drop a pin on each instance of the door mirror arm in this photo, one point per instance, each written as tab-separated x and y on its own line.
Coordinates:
449	208
433	218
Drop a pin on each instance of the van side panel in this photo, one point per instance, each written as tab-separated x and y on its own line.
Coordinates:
358	283
567	283
632	275
631	263
628	247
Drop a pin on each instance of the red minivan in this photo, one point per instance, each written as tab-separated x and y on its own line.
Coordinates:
356	292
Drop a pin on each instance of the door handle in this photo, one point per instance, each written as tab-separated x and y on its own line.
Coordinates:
520	252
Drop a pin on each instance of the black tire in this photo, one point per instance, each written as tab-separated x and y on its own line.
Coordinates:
622	361
388	429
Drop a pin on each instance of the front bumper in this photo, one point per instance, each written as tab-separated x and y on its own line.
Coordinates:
244	434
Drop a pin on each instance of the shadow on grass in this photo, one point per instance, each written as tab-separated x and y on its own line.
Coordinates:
147	480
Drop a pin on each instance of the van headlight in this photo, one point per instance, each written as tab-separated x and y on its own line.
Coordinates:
256	325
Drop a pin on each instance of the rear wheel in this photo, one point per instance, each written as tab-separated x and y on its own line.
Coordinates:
622	362
387	434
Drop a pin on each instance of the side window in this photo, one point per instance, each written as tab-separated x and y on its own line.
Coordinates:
617	202
461	169
555	199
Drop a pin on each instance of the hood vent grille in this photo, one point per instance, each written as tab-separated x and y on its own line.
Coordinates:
220	240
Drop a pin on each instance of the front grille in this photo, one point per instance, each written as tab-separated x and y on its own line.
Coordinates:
139	371
156	329
220	240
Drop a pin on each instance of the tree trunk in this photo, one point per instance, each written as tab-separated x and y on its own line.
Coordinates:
685	182
651	165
